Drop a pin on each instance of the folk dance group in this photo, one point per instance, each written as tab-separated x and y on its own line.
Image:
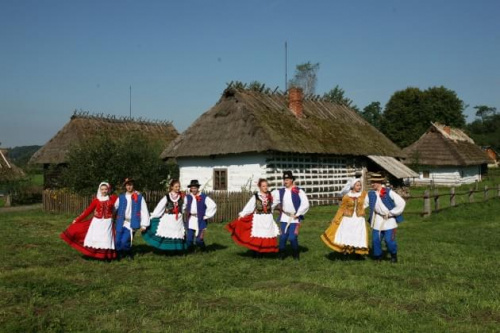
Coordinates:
105	237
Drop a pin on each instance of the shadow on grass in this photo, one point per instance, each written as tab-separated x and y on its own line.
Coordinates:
143	249
275	255
215	247
336	256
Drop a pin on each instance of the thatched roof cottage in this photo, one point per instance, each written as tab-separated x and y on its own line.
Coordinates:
251	134
83	126
446	156
8	171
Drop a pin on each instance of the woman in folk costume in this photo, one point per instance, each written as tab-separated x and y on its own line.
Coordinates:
348	231
94	237
166	231
255	228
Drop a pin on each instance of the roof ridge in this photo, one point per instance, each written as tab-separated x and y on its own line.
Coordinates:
81	114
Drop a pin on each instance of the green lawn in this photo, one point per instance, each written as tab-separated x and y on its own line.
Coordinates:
447	281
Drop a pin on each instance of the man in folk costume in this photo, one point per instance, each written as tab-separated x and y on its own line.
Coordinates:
386	209
199	209
131	214
294	205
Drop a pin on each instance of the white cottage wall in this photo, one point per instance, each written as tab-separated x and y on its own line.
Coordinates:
243	170
322	177
450	176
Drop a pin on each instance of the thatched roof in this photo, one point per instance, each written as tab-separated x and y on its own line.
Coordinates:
444	146
8	171
84	125
251	121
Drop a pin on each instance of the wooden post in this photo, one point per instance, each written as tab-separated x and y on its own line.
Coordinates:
427	204
7	200
471	193
498	190
485	192
436	200
452	197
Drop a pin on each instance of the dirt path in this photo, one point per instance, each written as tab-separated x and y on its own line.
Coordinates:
20	208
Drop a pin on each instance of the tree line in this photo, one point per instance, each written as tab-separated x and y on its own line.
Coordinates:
409	112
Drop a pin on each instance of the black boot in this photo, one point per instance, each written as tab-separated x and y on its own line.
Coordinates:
296	254
377	258
394	258
282	255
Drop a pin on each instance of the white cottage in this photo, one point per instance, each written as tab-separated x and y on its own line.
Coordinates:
250	134
446	156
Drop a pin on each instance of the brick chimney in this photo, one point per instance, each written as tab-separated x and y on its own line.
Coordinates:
447	129
295	97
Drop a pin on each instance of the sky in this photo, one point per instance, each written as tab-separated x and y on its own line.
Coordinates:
58	56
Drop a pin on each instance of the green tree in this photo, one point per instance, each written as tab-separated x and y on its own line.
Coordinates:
486	132
305	77
442	105
372	113
409	113
112	159
484	111
337	95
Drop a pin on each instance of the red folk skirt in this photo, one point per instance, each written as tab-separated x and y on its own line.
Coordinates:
75	234
241	233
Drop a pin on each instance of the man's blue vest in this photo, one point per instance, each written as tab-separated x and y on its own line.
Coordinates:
386	200
135	218
295	199
201	209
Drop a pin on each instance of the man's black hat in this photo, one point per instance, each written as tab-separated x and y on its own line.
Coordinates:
194	183
288	174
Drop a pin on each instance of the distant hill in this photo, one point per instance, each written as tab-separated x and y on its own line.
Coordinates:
22	154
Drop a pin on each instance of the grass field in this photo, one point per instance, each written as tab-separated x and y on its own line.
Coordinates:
447	281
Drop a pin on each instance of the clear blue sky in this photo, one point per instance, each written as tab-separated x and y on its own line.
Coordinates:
57	56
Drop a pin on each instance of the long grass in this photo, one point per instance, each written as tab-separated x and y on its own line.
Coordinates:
447	280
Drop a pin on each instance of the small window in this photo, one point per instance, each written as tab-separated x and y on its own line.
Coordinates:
425	174
220	179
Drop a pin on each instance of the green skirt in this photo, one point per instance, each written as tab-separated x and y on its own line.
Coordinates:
162	243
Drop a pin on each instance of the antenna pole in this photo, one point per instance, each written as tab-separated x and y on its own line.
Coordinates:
286	66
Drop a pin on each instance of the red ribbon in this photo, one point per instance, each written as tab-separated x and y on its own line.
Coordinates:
295	190
134	196
382	192
269	198
176	210
198	198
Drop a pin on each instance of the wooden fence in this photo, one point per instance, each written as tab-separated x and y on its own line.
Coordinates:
434	201
229	204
